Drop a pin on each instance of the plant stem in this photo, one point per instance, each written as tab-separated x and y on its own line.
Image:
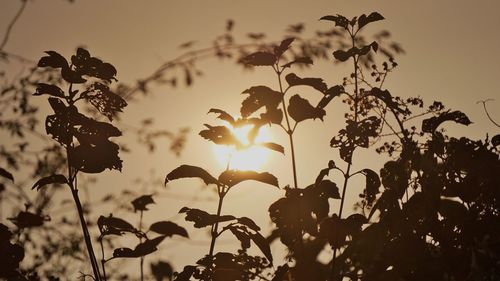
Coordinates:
103	260
141	263
85	230
216	225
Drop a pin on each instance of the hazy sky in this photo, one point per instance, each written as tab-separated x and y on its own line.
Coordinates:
452	55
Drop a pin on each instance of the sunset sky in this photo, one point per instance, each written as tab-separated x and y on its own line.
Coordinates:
452	55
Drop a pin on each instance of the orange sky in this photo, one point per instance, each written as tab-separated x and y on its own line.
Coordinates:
453	55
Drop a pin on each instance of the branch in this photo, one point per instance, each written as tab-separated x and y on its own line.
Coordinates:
12	23
486	110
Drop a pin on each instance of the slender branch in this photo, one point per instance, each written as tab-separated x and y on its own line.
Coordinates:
486	111
12	23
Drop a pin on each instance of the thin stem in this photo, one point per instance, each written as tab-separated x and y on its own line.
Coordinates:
216	226
103	259
487	113
12	23
85	230
141	263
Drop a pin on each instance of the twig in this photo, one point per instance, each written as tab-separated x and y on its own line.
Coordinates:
12	23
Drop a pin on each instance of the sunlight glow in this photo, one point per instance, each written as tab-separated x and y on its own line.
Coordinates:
252	158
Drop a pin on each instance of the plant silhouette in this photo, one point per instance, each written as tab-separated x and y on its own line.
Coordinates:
430	213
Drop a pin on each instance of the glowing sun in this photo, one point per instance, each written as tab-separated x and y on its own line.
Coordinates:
251	158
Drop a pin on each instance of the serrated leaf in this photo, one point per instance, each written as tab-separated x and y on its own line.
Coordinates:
431	124
141	202
300	109
259	96
364	20
316	83
222	115
49	89
233	177
259	59
187	171
168	229
272	146
60	179
4	173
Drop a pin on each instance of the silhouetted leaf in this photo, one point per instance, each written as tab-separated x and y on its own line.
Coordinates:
331	93
202	218
259	58
233	177
495	140
263	245
327	188
272	115
386	97
91	66
4	173
95	158
284	45
248	222
342	55
372	185
124	253
26	219
272	146
241	235
222	115
186	273
316	83
149	246
300	60
187	171
364	20
168	229
162	270
54	60
107	102
431	124
49	180
48	89
220	135
259	96
300	109
114	226
338	19
140	203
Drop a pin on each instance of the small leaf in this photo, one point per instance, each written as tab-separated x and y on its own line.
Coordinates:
220	135
338	19
272	146
4	173
141	202
222	115
187	171
124	253
168	229
48	89
114	226
316	83
284	45
301	60
233	177
342	55
300	109
49	180
259	59
248	222
331	93
149	246
259	96
372	185
54	60
364	20
431	124
263	245
202	218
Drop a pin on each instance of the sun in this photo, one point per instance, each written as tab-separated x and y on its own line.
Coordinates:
252	158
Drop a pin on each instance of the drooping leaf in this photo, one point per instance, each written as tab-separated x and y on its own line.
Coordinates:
372	17
49	89
259	96
60	179
140	203
168	229
105	101
222	115
331	93
259	58
54	60
317	83
27	219
233	177
202	218
372	185
431	124
187	171
272	146
220	135
300	60
284	45
4	173
263	245
114	226
300	109
338	19
248	222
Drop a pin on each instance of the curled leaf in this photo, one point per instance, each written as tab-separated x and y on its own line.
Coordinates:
49	180
431	124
